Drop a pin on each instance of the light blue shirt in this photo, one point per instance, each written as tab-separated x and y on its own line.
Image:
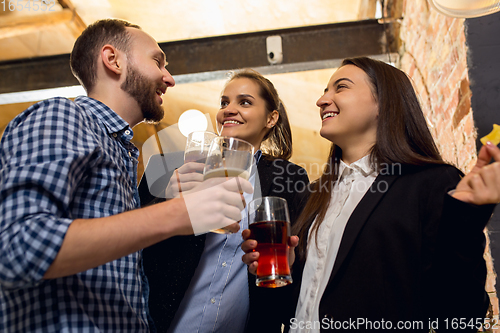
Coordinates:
217	299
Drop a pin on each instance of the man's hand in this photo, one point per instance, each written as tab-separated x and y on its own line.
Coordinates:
216	203
482	185
251	256
184	179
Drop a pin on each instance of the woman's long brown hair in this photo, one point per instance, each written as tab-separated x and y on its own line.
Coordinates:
402	138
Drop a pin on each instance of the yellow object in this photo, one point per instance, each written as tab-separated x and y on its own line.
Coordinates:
493	136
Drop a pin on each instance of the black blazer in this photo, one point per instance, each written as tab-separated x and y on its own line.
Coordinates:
171	264
409	252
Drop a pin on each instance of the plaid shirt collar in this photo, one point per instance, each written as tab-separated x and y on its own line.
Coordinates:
111	120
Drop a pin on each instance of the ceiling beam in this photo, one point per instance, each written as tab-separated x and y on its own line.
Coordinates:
79	25
367	9
304	45
20	25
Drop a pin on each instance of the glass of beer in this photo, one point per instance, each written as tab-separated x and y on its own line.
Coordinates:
228	157
269	223
197	146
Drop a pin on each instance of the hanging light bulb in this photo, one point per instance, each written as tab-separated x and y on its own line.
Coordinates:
466	8
192	120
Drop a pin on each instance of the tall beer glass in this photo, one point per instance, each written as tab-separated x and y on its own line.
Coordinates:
197	146
269	223
228	157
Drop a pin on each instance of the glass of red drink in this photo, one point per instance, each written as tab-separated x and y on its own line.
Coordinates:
269	223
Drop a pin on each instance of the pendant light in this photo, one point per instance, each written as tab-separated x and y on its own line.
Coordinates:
466	8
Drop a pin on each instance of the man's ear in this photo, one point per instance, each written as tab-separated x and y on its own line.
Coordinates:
272	119
112	59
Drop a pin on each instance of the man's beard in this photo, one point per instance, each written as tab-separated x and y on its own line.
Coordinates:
144	92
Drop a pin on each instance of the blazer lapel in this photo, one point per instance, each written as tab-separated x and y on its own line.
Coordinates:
359	217
263	178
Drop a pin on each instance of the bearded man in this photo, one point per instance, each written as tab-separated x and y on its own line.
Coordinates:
71	230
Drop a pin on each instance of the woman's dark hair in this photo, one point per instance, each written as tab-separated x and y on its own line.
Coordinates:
403	138
278	141
83	58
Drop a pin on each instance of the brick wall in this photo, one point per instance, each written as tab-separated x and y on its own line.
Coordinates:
434	54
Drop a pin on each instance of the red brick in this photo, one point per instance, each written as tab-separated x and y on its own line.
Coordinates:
469	128
464	105
458	73
438	47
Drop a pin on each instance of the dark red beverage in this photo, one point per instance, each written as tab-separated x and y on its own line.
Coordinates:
272	238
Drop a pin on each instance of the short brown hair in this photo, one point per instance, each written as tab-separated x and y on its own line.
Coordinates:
83	59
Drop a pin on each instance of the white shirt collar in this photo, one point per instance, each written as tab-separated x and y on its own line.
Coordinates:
362	165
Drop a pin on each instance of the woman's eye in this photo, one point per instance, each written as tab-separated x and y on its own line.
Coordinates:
223	104
245	102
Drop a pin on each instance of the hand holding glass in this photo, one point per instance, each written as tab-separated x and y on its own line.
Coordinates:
196	150
228	157
269	224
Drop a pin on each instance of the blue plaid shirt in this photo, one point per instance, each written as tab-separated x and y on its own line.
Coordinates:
59	161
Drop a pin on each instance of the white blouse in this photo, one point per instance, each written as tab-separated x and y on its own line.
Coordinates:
354	181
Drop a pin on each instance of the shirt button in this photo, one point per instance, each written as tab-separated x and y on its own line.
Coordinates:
127	132
212	300
115	135
224	264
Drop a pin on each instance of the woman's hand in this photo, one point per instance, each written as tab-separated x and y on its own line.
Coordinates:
482	185
251	256
184	179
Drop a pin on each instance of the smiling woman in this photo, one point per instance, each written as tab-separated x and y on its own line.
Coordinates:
250	109
381	233
205	285
349	112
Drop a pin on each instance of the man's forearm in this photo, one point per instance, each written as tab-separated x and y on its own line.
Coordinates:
93	242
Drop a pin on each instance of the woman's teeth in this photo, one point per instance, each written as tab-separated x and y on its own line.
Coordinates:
329	114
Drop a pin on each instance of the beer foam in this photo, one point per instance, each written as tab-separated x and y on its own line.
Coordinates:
227	172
